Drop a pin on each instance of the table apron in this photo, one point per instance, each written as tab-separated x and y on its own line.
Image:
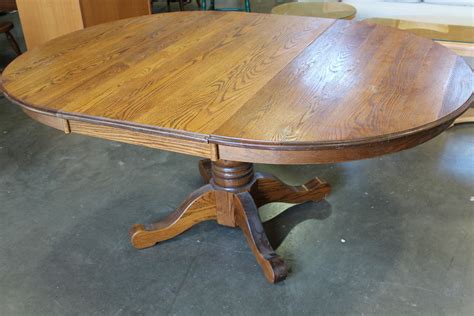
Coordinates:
204	148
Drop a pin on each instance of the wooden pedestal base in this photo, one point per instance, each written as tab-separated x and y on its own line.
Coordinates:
232	196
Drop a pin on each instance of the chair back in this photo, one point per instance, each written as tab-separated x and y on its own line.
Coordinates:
7	5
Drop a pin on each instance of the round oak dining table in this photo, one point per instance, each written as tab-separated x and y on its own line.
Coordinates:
241	88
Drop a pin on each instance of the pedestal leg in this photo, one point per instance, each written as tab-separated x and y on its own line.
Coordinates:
268	188
232	196
198	207
236	207
273	266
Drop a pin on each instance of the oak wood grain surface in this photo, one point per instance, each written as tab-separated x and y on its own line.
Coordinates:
252	84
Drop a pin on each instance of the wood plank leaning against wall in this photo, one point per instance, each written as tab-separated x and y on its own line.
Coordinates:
43	20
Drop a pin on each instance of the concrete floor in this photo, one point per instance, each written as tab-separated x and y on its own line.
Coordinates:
67	201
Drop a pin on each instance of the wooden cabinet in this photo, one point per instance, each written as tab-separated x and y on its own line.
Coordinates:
43	20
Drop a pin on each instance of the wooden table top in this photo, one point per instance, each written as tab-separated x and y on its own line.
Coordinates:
245	87
330	10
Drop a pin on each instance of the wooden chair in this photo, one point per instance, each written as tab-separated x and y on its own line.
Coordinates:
181	3
7	5
212	6
6	27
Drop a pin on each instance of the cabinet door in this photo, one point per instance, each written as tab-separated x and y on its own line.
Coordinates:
96	12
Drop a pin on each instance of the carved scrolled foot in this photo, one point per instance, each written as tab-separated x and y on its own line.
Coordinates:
268	188
246	216
198	207
205	169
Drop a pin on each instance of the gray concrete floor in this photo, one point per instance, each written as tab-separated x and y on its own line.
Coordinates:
67	201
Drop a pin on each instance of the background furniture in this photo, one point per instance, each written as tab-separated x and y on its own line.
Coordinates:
180	2
212	6
43	20
459	38
6	27
432	11
7	5
330	10
442	12
321	91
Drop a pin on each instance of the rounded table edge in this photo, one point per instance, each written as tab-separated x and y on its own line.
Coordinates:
216	147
